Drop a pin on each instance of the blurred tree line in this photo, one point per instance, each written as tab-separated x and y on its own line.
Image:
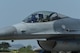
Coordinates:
4	47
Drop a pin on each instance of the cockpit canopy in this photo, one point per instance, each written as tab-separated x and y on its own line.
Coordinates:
43	16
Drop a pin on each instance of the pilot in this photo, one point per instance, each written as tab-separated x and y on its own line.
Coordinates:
33	18
40	17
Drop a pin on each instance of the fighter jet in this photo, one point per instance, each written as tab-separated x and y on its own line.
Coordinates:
62	33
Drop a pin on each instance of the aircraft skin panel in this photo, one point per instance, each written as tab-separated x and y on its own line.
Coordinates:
67	26
54	27
41	36
30	28
43	30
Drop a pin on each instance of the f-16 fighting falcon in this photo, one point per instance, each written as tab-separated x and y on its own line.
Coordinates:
62	33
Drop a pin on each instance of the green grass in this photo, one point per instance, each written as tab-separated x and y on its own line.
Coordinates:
26	50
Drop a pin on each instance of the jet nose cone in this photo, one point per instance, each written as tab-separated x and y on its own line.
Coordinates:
8	31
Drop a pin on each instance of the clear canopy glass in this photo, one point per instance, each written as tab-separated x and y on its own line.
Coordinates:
43	16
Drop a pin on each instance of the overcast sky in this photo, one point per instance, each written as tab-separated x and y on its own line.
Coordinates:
14	11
